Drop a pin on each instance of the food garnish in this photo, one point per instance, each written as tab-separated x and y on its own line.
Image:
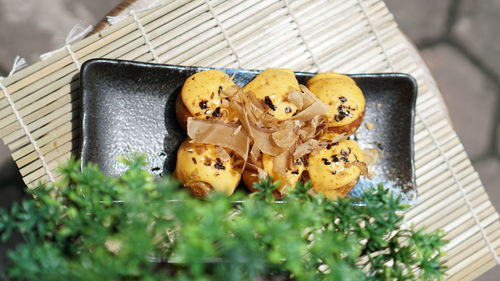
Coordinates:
272	127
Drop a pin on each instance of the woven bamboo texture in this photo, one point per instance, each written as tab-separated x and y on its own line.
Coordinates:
40	104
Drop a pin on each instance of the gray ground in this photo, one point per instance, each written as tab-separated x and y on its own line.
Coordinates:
459	40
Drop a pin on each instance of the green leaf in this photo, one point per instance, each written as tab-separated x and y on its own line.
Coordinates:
89	226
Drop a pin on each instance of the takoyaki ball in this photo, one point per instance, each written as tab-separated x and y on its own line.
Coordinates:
329	75
292	175
331	170
200	169
249	177
344	98
272	87
200	97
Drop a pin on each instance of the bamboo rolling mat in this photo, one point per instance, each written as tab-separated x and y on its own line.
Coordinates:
40	104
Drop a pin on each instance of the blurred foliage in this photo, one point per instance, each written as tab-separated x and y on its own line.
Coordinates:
89	226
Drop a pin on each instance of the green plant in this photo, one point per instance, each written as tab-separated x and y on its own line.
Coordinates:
89	226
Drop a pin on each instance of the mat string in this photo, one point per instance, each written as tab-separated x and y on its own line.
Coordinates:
434	140
377	37
461	189
73	56
144	35
137	7
18	64
301	34
224	33
76	33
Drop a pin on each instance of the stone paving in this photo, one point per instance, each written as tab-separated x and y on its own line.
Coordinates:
458	39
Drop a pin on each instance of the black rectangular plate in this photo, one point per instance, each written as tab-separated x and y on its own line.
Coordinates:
129	107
